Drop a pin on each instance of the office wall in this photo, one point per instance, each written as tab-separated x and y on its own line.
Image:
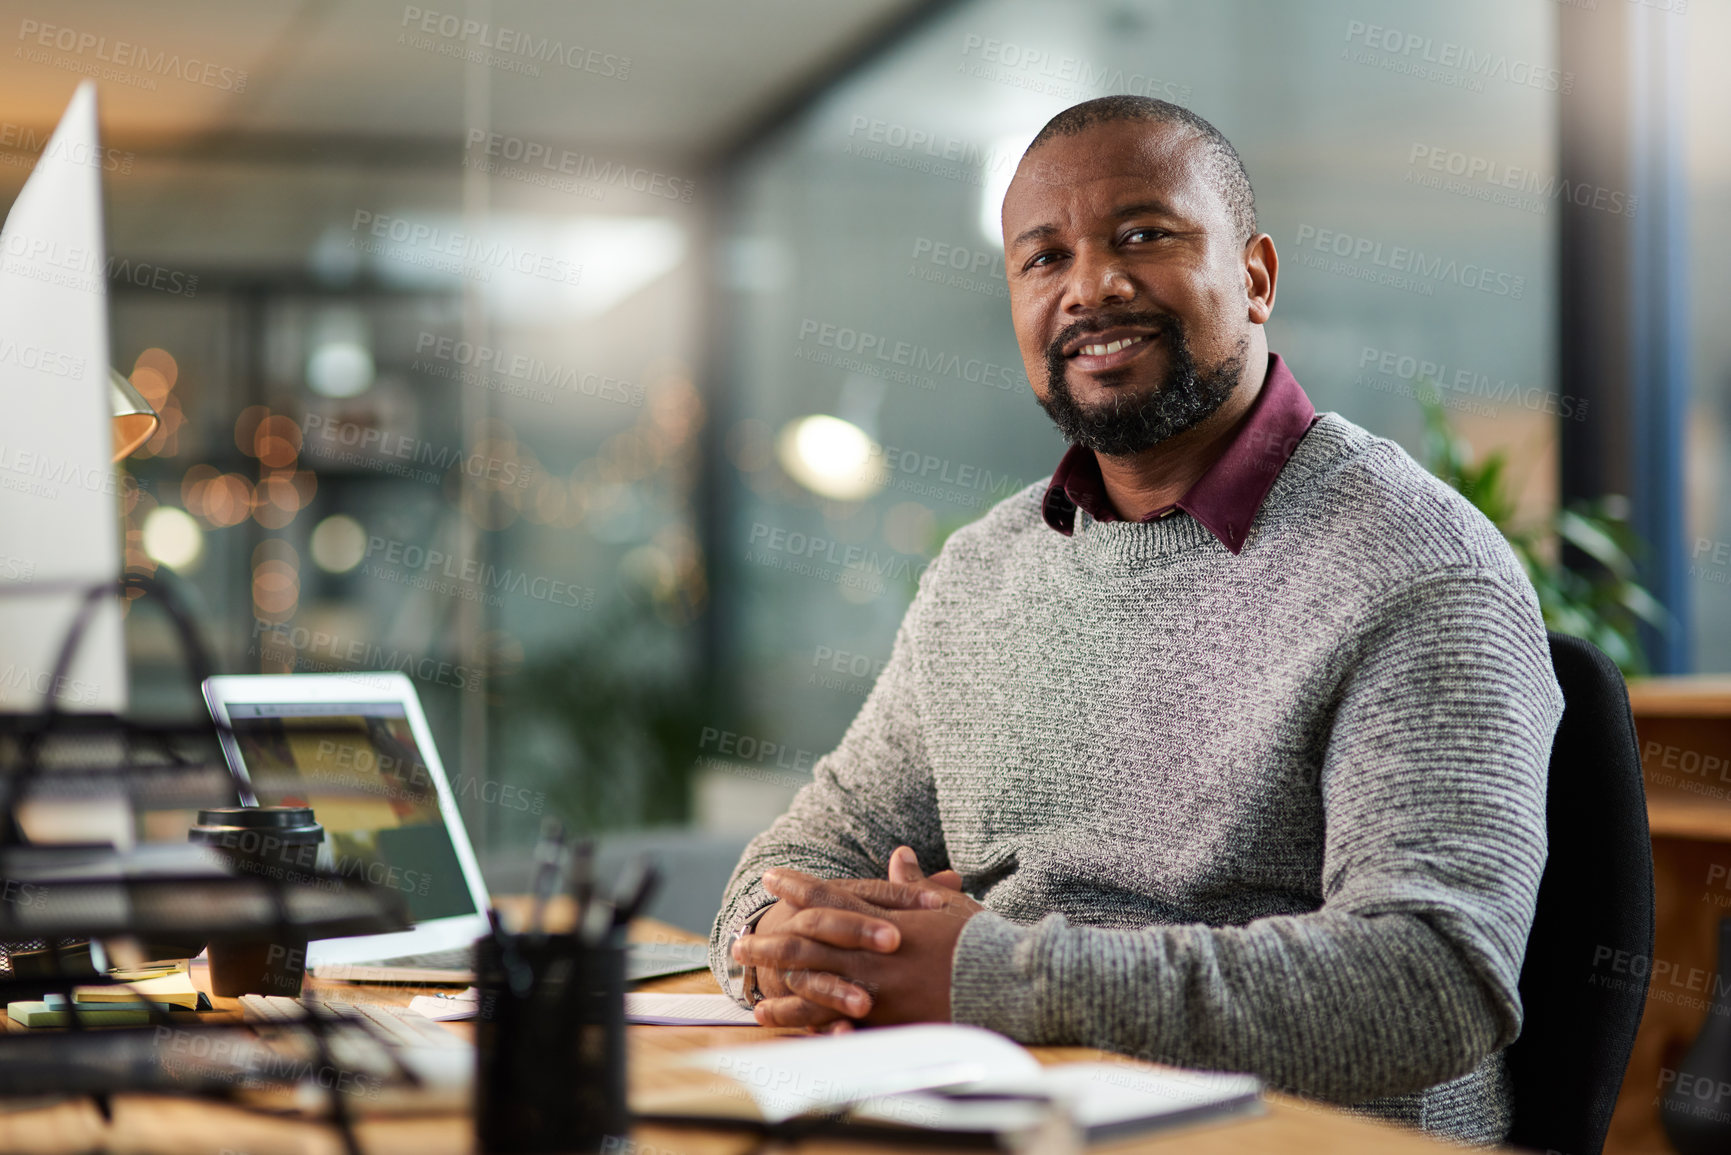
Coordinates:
515	467
521	520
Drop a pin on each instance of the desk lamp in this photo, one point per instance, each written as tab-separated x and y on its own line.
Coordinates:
133	419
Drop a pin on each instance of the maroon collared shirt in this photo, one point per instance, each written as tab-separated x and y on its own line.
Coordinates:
1226	497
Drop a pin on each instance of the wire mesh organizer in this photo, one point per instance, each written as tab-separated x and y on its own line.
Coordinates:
56	899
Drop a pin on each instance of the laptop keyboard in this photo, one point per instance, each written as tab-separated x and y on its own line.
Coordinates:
457	958
644	961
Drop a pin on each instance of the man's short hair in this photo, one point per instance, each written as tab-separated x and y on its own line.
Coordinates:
1230	179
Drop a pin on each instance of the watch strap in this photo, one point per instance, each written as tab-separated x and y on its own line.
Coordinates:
753	993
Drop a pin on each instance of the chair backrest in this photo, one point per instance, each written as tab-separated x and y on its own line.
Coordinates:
1595	899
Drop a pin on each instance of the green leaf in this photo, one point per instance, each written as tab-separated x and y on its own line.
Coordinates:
1604	604
1589	536
1644	605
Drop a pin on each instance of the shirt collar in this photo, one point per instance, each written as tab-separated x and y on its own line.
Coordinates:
1229	493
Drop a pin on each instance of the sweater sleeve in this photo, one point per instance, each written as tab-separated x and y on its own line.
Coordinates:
1433	792
873	793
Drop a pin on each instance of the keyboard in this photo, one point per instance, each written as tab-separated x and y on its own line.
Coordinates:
398	1026
652	960
378	1043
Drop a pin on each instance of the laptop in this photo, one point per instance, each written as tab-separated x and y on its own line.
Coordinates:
356	748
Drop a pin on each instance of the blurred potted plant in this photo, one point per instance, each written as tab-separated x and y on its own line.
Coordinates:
611	723
1606	605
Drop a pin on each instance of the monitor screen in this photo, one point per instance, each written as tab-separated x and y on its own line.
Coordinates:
358	766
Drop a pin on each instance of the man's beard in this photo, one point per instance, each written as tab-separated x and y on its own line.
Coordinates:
1126	425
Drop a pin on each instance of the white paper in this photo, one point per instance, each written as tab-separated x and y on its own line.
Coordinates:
686	1011
446	1008
59	506
826	1072
1100	1094
647	1009
1093	1095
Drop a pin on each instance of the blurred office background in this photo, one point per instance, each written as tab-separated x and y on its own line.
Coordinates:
615	370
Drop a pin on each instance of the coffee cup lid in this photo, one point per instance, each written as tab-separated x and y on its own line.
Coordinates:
287	823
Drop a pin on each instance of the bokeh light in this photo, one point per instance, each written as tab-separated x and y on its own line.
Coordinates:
154	374
227	500
173	538
246	428
192	484
159	361
340	369
276	582
276	501
831	457
338	543
276	441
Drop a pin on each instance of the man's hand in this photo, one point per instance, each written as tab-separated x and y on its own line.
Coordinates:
905	869
817	980
811	998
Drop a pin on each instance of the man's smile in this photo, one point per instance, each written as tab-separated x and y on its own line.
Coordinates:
1110	349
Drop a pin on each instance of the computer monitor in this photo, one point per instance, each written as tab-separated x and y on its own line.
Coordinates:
59	505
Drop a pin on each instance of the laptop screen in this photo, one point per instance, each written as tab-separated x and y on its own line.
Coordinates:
358	766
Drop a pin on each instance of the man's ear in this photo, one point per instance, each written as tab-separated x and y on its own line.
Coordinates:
1261	270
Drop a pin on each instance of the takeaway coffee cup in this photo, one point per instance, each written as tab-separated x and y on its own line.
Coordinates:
279	843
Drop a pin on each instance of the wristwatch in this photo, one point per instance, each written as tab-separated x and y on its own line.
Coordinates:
747	975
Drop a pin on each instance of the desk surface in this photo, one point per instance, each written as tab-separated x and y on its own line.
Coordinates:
147	1125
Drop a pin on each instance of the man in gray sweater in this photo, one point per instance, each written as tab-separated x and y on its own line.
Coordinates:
1226	747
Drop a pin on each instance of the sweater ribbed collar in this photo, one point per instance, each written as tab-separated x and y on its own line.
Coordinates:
1112	544
1228	494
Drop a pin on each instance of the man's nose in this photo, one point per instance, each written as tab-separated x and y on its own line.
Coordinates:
1097	280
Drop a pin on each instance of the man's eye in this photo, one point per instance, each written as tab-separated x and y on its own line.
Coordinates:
1143	234
1040	259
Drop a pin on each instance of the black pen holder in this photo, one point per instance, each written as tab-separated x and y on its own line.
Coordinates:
549	1044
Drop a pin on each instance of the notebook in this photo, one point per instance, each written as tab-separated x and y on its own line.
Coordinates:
939	1080
174	989
52	1012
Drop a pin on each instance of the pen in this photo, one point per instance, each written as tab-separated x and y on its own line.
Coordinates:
583	880
517	972
549	854
597	921
644	878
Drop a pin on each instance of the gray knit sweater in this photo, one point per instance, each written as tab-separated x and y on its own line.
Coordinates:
1280	812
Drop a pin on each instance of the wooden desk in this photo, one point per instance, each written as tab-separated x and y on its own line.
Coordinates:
1683	727
145	1125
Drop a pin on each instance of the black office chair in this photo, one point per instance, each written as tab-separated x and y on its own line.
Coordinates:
1596	895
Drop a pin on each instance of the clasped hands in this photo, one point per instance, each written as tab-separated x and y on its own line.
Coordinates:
833	952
